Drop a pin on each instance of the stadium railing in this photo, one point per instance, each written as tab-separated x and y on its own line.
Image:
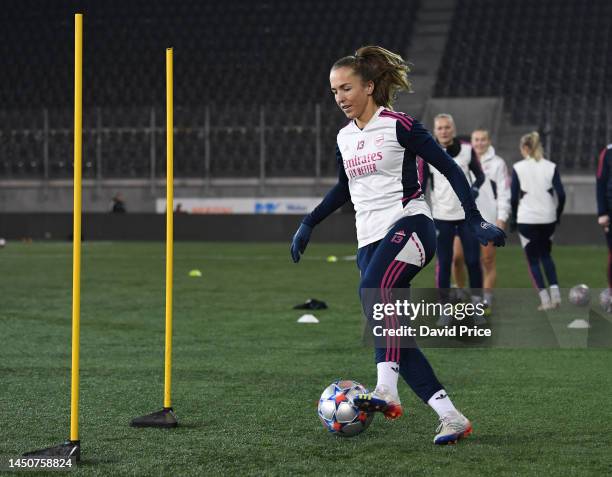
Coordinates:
214	141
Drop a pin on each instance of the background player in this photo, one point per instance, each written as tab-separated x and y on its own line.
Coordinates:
533	204
448	213
377	171
493	201
604	203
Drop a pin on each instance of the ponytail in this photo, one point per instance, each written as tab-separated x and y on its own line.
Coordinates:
533	144
387	70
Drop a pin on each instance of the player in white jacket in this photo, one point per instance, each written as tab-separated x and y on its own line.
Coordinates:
494	202
448	214
535	182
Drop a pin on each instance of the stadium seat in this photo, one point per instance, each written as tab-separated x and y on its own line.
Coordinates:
491	52
230	57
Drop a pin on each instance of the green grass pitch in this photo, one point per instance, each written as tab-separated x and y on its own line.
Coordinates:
247	377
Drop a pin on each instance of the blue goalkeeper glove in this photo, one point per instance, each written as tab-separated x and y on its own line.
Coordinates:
486	232
299	242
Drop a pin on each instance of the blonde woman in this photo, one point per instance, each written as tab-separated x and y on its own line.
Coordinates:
535	182
377	171
448	214
494	204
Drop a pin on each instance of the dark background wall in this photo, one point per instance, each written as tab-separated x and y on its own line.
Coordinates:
575	229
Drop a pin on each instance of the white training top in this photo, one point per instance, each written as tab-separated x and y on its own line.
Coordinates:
444	202
378	169
493	199
537	204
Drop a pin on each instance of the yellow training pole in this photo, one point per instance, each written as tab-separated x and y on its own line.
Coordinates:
166	417
169	224
76	240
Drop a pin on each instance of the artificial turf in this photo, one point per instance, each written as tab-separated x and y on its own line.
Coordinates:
246	377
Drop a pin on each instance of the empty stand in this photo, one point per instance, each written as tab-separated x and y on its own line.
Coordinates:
550	60
251	65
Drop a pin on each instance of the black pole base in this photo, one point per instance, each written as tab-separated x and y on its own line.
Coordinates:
164	419
69	449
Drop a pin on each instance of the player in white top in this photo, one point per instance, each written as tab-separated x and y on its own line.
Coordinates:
448	214
494	203
604	209
377	171
537	203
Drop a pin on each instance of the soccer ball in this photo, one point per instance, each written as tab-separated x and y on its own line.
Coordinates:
580	295
337	412
605	300
2	242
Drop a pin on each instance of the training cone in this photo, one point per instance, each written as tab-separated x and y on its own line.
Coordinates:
579	324
195	273
307	319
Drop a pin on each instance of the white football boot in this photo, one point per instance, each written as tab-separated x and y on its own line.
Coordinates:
545	302
480	320
453	426
445	319
555	297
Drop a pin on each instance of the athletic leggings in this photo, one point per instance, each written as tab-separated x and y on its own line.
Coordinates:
447	229
609	240
392	263
536	240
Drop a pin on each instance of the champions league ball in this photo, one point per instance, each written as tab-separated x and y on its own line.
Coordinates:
337	412
580	295
605	300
